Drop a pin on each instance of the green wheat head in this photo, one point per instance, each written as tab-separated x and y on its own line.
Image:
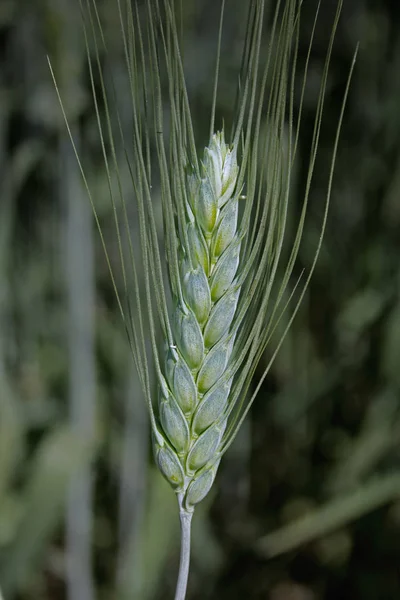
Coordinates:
224	225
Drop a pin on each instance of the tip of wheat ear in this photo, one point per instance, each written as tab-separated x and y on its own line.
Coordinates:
192	407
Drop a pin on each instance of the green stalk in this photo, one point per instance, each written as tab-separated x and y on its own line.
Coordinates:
184	562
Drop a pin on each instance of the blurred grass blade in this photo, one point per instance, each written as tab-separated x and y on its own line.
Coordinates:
80	289
333	515
140	577
61	455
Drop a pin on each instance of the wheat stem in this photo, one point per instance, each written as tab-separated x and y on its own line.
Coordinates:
186	523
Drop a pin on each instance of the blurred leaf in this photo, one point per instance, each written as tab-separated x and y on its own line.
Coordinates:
391	347
60	456
11	441
359	313
331	516
160	538
11	510
7	10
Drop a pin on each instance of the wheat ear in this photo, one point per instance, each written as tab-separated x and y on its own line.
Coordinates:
223	254
193	397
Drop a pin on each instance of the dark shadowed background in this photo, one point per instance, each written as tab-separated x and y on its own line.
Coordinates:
306	505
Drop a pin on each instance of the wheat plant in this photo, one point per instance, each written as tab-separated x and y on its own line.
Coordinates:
224	226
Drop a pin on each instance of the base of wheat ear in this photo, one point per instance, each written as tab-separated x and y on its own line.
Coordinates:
194	395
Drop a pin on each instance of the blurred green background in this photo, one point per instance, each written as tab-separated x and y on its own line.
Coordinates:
306	505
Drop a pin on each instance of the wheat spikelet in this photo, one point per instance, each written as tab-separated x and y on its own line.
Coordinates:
193	400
